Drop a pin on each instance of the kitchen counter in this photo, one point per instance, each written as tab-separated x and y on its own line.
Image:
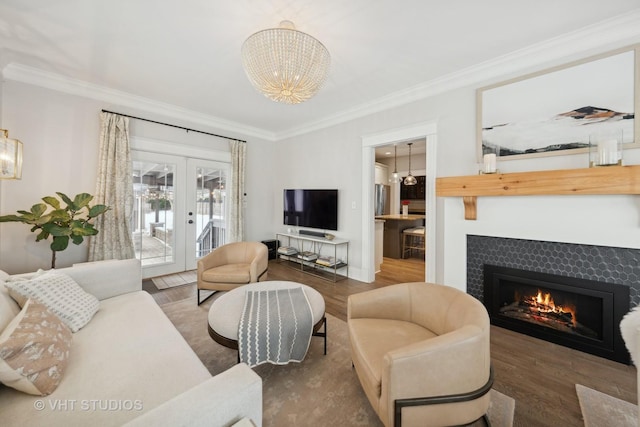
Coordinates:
410	217
393	227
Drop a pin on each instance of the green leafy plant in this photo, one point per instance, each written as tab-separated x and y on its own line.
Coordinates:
72	222
160	204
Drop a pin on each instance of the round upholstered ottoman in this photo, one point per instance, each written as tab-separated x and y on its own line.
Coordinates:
225	312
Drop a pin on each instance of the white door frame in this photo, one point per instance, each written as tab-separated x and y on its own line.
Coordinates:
426	130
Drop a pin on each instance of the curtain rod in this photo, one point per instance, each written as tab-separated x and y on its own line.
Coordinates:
174	126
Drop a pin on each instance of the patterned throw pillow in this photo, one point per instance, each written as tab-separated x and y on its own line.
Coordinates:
34	349
61	294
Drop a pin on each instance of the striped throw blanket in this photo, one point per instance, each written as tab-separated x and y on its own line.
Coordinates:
275	327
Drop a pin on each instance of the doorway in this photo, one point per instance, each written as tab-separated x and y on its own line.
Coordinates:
180	210
402	238
426	130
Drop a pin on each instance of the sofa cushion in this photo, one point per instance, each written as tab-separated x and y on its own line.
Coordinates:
61	294
26	276
106	279
34	350
229	273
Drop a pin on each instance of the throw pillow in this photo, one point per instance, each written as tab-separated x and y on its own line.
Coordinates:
61	294
9	308
34	349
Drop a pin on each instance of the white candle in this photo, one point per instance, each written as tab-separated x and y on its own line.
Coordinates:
489	163
608	152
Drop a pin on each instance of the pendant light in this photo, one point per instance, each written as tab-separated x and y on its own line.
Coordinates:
410	179
394	175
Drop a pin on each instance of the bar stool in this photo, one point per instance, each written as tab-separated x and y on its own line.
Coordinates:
412	239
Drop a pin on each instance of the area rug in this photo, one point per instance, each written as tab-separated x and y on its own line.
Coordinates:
600	409
319	391
177	279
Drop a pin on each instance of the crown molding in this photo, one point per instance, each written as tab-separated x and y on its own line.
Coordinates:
618	31
30	75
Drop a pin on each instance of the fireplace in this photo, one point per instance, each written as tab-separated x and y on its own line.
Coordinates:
574	312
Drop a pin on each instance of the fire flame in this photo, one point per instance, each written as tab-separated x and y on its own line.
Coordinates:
544	303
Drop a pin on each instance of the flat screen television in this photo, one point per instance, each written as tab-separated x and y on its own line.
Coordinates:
311	208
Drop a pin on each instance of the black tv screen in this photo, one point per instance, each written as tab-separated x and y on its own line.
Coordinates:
311	208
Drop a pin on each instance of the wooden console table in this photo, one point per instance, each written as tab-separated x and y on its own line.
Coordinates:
588	181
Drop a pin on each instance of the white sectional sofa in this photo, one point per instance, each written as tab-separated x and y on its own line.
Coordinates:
130	366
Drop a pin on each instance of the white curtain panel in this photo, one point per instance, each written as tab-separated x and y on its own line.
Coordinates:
114	189
236	211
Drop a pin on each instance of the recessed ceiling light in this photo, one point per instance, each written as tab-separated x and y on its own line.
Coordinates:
388	153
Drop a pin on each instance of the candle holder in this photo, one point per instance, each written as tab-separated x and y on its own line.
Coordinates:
605	148
489	160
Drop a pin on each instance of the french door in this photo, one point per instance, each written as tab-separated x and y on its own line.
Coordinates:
180	210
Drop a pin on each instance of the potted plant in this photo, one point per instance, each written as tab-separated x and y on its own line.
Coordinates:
72	222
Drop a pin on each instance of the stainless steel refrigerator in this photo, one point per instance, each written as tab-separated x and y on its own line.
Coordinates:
382	199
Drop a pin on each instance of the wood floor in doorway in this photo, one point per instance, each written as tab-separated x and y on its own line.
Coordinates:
401	270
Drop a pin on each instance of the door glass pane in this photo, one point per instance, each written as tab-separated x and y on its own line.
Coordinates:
210	209
152	220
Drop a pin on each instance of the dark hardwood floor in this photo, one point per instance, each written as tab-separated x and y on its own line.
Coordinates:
539	375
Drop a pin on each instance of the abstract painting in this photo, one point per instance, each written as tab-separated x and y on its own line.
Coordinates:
554	112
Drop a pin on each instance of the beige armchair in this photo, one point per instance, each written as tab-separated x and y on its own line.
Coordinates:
421	353
232	265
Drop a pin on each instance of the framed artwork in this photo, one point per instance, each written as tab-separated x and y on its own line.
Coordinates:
554	112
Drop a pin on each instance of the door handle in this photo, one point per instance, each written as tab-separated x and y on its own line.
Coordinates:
190	221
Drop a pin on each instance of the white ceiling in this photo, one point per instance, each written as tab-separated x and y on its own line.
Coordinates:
186	53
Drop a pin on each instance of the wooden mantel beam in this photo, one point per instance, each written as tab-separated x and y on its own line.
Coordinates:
588	181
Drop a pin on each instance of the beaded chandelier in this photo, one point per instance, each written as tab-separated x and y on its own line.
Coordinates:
286	65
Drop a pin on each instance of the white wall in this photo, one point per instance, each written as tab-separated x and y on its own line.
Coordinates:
334	154
60	133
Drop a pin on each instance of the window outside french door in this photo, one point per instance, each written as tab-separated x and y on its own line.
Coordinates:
179	210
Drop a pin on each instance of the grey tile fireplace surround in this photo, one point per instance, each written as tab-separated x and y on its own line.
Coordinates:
600	263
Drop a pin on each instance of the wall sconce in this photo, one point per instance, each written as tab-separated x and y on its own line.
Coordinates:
10	156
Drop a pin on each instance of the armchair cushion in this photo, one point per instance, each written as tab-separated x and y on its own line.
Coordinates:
229	273
373	338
